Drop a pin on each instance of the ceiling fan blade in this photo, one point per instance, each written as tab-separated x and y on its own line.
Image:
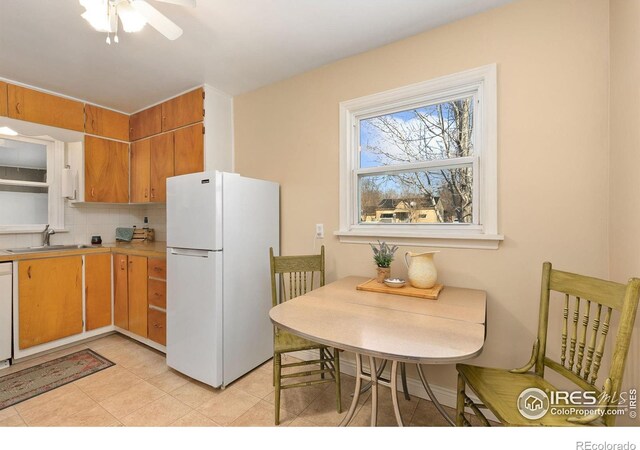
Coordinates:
157	20
191	3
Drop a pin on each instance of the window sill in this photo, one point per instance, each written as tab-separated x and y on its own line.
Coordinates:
434	239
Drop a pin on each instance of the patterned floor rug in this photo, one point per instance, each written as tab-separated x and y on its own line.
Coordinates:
25	384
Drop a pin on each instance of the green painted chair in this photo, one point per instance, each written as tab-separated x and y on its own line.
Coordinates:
587	307
292	276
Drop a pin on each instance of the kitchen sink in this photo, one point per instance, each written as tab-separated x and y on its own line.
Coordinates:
49	248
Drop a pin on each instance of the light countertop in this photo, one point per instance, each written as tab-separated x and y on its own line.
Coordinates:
154	249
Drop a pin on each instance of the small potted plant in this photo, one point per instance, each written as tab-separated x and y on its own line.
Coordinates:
383	255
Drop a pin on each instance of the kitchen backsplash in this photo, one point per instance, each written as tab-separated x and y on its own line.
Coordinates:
86	220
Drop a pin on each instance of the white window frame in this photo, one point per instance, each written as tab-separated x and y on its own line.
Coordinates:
481	84
55	163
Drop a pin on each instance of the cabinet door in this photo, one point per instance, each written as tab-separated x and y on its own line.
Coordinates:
161	165
138	295
120	291
106	170
97	286
183	110
3	98
146	123
189	149
50	299
34	106
106	123
140	170
158	326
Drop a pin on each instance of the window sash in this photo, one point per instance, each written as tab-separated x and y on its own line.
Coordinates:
469	161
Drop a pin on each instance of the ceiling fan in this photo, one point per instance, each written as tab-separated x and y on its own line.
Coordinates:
133	14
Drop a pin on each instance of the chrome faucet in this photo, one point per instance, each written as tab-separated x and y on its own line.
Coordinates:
46	236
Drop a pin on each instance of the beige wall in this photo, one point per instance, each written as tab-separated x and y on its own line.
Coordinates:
624	170
553	141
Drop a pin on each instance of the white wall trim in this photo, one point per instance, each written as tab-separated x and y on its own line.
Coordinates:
480	82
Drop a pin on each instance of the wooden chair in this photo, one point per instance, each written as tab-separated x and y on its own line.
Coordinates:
292	276
592	302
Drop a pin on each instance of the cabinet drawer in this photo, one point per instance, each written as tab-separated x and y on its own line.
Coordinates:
157	321
158	293
158	268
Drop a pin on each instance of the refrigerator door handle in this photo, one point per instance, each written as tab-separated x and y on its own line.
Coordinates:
190	252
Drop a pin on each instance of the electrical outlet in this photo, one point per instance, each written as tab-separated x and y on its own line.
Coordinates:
319	231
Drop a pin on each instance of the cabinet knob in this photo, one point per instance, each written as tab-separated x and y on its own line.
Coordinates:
18	108
153	192
146	193
93	192
29	272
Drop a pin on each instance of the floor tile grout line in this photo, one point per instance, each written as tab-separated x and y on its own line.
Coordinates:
146	404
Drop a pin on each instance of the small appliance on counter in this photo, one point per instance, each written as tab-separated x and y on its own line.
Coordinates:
219	230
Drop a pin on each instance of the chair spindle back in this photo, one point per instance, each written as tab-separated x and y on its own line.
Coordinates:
292	276
586	318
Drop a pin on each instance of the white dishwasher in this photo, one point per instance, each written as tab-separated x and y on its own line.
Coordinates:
6	291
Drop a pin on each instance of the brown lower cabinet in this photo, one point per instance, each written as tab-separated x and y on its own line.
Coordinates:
130	293
97	288
157	300
49	299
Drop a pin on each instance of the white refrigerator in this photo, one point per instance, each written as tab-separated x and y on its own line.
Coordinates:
219	230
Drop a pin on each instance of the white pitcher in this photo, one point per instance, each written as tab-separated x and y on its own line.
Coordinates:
422	270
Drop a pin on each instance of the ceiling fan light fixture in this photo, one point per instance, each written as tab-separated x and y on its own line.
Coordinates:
97	14
132	20
98	20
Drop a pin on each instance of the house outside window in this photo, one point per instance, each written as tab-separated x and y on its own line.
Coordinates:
30	172
419	163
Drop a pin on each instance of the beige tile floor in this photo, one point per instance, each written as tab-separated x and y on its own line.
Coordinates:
140	390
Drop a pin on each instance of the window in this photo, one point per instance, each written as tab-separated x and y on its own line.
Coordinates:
29	184
418	164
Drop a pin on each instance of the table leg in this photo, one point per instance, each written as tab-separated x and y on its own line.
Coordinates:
433	398
356	392
374	391
366	386
394	392
405	388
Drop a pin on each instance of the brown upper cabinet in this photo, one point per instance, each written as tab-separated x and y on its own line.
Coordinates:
106	123
145	123
39	107
140	170
162	154
106	170
151	165
183	110
3	98
189	149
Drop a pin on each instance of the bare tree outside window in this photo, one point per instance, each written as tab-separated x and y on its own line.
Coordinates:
394	143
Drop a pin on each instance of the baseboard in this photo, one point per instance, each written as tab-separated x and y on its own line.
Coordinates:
446	396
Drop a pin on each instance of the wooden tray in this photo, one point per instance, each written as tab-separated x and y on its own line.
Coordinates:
373	286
